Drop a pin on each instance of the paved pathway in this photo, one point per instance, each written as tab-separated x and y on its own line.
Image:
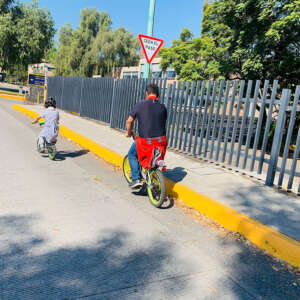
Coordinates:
71	229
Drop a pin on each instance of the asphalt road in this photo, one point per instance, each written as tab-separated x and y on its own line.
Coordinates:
71	229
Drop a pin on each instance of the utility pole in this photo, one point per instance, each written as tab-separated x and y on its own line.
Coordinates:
149	33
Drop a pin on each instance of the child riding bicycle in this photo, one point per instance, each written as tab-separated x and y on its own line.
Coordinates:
51	128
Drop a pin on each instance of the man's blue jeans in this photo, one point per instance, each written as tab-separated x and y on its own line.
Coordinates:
133	162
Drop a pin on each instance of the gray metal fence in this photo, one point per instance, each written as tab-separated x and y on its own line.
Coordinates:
248	126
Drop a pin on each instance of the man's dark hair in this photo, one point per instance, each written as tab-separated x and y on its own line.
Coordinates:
152	89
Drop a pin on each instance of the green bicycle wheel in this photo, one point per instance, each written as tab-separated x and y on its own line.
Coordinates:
52	152
126	169
157	189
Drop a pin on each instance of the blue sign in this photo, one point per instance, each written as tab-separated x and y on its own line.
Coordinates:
34	79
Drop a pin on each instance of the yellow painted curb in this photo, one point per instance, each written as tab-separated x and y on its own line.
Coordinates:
7	96
264	237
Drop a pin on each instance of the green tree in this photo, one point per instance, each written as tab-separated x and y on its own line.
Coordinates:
261	38
193	59
94	48
26	34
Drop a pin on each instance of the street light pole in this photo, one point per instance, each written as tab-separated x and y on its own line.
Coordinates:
149	33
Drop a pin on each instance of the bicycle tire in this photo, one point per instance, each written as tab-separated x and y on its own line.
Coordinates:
126	169
157	190
52	152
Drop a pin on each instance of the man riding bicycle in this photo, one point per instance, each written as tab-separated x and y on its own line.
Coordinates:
152	117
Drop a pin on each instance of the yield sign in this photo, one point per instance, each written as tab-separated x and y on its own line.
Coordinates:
150	46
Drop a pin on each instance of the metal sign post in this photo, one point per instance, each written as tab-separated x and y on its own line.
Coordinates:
150	33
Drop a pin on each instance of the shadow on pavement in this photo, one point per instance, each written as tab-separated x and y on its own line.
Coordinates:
114	267
269	207
62	155
177	174
257	273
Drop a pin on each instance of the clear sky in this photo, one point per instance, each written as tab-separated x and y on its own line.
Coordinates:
171	15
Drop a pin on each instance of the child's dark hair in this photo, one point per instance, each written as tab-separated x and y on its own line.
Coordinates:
152	89
50	102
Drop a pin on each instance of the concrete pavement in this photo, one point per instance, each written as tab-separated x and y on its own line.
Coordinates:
277	210
71	229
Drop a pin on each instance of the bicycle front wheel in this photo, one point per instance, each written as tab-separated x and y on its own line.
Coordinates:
127	169
157	189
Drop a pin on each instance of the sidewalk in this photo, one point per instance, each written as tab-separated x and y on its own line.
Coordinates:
276	210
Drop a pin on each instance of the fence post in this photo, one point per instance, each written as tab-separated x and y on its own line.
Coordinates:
285	97
112	105
62	93
80	99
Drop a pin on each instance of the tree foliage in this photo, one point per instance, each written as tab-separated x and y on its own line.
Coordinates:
193	59
245	39
26	34
94	48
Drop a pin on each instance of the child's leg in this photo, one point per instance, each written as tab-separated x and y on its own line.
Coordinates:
41	142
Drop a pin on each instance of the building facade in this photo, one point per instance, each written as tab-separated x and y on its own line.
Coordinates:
40	68
155	69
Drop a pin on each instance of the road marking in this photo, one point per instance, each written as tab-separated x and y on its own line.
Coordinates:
264	237
7	96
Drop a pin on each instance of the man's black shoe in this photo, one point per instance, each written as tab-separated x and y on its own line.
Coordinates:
135	184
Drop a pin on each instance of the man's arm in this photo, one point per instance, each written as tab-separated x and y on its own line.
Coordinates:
129	125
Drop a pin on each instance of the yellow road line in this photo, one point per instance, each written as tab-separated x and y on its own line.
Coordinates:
7	96
264	237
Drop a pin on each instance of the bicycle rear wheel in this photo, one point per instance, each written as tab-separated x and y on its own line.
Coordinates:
157	189
52	152
126	169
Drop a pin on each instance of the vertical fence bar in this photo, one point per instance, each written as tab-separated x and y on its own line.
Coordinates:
251	124
196	97
170	109
236	120
179	113
216	119
188	126
259	124
267	128
199	116
211	111
175	113
113	104
62	93
243	125
221	127
164	88
294	163
169	103
228	124
204	118
277	137
121	102
289	136
80	100
183	124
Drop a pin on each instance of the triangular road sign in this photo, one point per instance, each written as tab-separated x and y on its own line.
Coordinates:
150	46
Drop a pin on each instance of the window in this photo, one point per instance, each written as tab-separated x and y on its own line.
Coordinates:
130	74
155	68
169	74
156	75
